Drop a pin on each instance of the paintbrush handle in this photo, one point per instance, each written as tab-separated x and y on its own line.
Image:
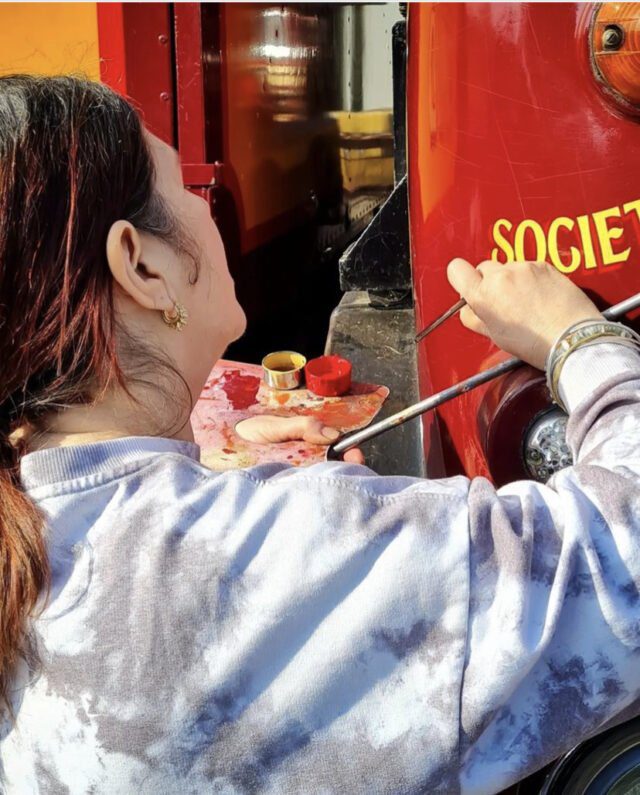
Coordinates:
440	320
432	402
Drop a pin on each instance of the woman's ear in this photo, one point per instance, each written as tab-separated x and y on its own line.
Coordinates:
143	282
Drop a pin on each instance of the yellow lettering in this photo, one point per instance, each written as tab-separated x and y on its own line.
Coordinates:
606	235
587	243
629	206
502	243
554	254
539	237
588	240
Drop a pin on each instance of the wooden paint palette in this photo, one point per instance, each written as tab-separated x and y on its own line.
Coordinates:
235	391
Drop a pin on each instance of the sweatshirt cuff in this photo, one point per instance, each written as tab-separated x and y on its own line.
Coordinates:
589	367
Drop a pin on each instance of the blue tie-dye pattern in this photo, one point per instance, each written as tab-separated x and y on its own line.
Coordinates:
326	630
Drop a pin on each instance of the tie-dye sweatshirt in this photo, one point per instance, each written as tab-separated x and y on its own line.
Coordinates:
326	630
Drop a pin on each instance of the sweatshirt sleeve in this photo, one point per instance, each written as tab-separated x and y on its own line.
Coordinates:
553	630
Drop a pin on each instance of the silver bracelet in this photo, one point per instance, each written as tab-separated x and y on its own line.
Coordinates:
580	335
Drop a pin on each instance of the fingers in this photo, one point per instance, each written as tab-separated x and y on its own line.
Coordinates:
354	456
315	432
489	266
251	429
522	306
267	429
470	320
463	277
466	279
308	429
273	430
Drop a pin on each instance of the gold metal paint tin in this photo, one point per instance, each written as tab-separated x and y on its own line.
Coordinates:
283	369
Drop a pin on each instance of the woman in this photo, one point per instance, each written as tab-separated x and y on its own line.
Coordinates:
278	630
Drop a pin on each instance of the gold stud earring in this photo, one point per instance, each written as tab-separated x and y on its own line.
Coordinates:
176	319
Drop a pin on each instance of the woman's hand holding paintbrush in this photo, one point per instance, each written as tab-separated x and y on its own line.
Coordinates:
521	306
474	281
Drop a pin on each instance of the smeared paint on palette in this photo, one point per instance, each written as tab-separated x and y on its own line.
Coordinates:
235	391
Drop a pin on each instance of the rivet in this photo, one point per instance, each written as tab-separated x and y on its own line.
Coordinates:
612	37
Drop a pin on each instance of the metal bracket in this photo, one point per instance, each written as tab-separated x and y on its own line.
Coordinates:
378	260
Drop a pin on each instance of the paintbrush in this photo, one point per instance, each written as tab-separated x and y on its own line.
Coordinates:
359	437
440	320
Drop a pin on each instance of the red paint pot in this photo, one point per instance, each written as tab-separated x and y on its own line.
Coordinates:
328	376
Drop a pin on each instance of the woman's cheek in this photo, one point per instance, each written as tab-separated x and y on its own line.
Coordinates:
196	212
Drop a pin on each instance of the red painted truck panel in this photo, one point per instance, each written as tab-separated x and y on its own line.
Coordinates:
516	150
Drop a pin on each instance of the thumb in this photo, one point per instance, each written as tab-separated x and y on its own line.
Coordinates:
354	456
312	430
463	277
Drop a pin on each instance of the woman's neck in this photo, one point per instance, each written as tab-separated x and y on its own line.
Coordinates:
114	417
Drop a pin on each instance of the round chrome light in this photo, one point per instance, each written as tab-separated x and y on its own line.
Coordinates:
545	445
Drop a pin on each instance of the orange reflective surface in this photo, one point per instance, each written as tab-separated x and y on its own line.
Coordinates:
616	48
49	38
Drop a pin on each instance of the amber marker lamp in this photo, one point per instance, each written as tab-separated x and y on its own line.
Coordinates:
615	52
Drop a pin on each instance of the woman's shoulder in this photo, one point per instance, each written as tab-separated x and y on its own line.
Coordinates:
170	496
328	481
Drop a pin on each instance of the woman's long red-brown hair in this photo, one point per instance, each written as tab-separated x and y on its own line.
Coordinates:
73	159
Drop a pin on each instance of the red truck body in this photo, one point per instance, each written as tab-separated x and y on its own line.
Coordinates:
517	149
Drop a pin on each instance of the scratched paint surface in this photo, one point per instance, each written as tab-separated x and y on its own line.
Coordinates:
235	391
